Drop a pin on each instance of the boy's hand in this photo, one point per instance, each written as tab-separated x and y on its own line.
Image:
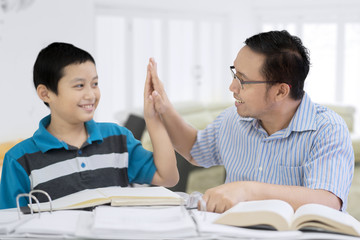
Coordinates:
149	108
155	89
150	94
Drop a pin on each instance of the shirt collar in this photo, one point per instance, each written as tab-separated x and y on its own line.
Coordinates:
45	141
305	116
304	119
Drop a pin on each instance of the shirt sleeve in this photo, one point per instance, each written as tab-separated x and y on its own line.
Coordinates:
141	168
331	164
205	150
14	180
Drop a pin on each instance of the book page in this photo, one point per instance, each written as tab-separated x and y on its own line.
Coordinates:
9	220
326	218
140	192
55	223
142	222
218	231
141	196
275	213
82	199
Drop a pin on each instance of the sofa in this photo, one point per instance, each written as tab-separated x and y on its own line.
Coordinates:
199	179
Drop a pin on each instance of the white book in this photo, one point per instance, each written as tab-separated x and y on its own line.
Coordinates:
142	223
48	225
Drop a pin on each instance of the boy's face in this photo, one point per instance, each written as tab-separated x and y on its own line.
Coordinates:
78	94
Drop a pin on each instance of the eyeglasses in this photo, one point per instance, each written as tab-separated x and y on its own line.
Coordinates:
241	81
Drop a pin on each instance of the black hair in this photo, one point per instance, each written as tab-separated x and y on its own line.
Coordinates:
287	60
51	61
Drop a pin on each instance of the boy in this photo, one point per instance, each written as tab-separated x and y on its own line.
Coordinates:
71	152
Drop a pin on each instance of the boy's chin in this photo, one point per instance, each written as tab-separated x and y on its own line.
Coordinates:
87	118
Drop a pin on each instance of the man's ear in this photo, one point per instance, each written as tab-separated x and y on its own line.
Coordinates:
43	93
283	91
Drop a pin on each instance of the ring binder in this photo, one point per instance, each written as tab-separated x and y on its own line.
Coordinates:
31	197
43	192
30	200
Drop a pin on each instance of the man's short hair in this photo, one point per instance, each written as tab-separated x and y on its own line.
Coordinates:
287	60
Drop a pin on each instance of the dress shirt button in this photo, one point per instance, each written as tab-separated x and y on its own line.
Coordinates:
260	168
79	152
83	165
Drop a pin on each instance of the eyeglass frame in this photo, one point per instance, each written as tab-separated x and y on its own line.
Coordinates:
242	82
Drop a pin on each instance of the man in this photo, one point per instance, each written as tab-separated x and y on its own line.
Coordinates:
275	143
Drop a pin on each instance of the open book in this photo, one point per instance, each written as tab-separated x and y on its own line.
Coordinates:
280	215
116	196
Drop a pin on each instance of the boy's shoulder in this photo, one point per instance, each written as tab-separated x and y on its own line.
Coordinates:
26	146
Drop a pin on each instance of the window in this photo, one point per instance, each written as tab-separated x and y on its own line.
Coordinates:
189	51
335	58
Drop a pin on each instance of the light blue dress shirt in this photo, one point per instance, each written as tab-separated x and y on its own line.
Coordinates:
314	151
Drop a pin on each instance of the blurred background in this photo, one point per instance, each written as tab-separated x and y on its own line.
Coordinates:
193	41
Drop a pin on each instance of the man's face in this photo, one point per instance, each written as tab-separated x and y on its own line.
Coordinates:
78	94
251	99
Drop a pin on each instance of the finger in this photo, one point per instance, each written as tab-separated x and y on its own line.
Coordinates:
157	84
210	206
203	203
147	80
147	87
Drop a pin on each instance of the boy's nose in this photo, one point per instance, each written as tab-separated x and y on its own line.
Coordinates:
89	94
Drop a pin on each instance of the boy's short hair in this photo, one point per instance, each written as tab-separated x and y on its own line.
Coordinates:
51	61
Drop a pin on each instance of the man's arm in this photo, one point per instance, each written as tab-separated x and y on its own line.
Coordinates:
182	135
223	197
167	173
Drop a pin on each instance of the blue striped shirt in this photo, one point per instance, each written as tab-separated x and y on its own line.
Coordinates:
314	151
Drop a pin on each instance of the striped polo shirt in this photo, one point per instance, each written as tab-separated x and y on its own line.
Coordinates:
314	151
111	156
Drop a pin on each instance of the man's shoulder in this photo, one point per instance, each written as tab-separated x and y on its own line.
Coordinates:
325	115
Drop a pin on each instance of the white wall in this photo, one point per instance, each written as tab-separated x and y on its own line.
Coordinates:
23	34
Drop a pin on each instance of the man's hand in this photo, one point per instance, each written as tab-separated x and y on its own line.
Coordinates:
223	197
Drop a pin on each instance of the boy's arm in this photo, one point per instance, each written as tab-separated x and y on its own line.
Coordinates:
14	180
167	173
182	135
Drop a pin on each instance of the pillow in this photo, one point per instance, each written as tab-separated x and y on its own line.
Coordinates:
4	147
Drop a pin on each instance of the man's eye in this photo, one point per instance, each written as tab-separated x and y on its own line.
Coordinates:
79	86
239	78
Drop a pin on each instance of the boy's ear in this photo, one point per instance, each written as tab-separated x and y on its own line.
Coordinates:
43	93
